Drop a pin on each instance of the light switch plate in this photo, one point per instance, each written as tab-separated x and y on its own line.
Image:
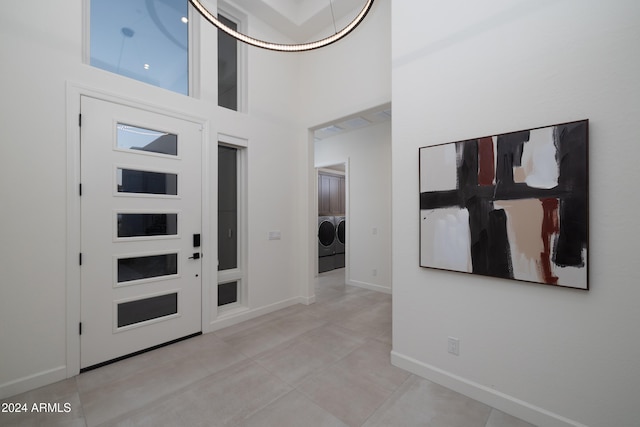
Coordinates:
275	235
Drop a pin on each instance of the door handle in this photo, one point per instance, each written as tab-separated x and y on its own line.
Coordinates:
196	255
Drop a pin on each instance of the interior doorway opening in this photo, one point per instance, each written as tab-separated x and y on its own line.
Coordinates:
332	217
361	143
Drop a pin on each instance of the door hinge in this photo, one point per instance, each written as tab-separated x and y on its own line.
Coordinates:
80	120
80	328
80	258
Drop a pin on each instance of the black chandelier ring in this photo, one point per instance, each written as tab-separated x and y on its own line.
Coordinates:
282	47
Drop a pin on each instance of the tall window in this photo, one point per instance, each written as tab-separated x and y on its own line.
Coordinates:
146	40
227	208
231	227
227	67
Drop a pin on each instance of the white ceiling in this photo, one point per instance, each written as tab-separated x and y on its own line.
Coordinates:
353	122
303	20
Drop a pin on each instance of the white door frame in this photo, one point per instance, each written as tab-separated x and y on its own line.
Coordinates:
345	161
74	92
242	272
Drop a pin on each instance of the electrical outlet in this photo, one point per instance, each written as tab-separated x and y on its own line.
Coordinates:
453	346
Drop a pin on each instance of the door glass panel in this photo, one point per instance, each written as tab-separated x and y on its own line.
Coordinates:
155	224
146	40
141	139
146	267
142	310
227	293
144	182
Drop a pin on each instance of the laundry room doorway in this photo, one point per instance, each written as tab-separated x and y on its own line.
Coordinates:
332	191
357	148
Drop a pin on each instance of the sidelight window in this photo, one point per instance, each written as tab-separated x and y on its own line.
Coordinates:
231	227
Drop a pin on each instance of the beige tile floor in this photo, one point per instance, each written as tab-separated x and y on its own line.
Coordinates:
326	364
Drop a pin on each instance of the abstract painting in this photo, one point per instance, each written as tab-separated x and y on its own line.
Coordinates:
513	206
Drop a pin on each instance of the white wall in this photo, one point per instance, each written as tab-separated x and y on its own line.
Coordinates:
368	155
41	50
467	69
348	77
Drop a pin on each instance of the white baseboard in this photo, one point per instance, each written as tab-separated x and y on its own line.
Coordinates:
501	401
31	382
241	315
369	286
307	300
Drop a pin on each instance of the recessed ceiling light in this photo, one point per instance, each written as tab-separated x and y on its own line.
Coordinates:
184	19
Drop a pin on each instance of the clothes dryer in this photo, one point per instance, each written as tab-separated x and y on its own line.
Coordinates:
341	239
326	243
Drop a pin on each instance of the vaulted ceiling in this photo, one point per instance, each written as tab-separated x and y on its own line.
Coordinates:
302	20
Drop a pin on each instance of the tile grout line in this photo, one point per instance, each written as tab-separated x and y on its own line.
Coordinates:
84	416
391	395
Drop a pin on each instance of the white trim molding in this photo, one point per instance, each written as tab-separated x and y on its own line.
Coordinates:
496	399
369	286
31	382
74	92
233	317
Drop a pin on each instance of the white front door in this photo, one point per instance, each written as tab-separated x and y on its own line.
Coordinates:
140	230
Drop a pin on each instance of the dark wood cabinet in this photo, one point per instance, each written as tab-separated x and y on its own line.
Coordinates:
323	194
331	194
